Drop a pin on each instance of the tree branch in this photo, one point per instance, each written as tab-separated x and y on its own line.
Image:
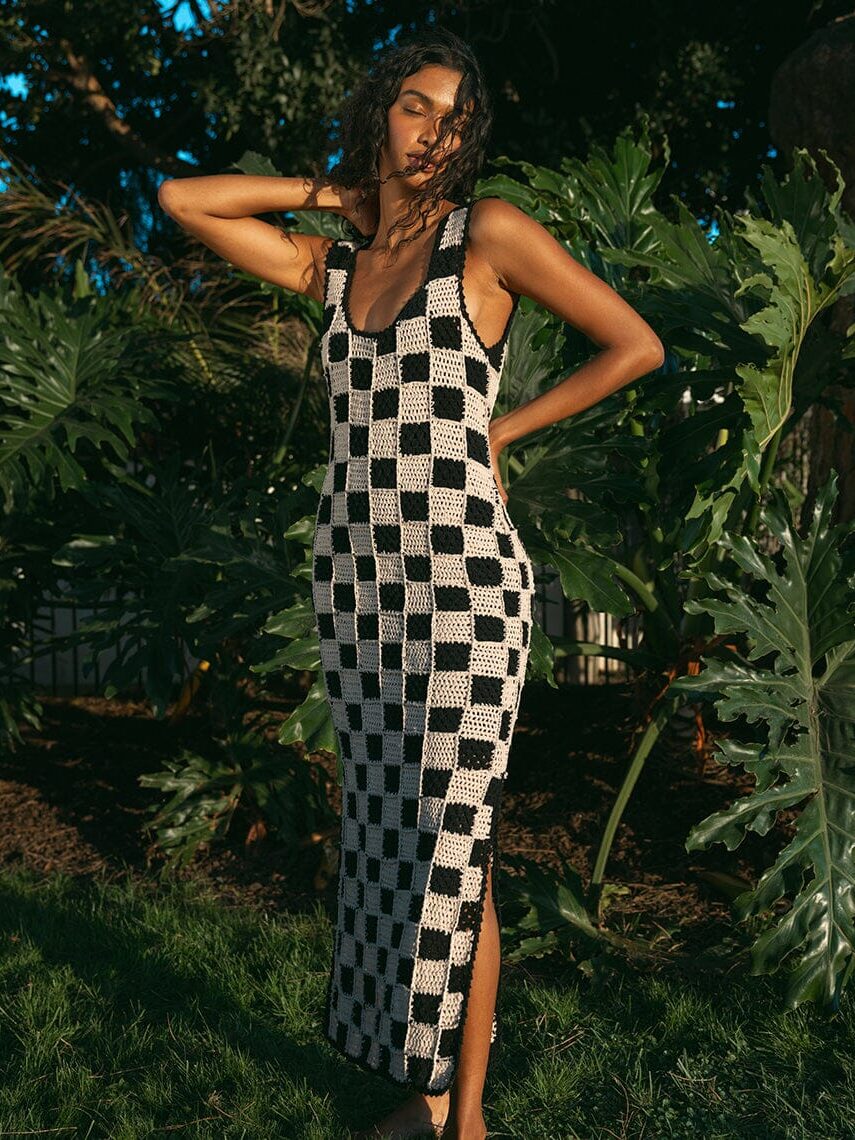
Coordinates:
85	83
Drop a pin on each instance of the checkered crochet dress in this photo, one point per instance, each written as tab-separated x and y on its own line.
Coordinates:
423	596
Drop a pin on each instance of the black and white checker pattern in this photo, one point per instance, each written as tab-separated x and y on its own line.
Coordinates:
423	595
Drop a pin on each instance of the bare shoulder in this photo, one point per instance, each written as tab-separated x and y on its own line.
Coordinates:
527	259
498	230
497	212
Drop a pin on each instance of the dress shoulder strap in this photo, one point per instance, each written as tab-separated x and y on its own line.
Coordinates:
464	225
336	260
456	234
493	352
446	259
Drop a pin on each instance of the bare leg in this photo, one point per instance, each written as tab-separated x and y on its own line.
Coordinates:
466	1118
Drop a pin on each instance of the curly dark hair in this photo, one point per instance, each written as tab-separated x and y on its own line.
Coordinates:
363	119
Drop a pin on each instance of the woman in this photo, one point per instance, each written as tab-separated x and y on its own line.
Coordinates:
421	586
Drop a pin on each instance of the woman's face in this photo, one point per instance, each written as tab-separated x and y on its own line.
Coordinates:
413	122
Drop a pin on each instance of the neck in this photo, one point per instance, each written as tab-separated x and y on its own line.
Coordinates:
395	204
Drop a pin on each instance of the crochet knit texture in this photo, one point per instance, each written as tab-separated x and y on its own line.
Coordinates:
423	594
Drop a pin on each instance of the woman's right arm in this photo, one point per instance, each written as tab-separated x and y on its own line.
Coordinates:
218	209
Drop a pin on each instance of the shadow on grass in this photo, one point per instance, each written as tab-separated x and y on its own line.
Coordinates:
151	998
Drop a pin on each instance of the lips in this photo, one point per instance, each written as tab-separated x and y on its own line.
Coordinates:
419	160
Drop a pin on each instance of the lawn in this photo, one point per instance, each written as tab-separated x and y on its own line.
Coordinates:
137	1008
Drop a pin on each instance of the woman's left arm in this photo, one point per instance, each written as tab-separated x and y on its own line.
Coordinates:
527	259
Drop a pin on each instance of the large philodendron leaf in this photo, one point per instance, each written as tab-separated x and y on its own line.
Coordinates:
807	201
745	315
806	698
615	192
70	389
795	300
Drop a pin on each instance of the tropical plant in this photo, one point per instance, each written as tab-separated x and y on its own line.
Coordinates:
196	576
666	464
277	791
133	483
794	609
781	667
71	377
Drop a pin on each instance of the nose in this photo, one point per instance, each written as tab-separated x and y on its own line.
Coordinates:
428	134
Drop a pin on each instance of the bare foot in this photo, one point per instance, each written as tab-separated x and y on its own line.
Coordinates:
471	1127
419	1116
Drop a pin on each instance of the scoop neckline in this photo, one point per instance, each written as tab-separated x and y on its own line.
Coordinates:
372	334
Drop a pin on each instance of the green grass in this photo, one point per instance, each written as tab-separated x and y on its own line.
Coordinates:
134	1009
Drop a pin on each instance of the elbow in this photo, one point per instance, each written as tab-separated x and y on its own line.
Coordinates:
164	193
657	355
169	197
641	354
651	354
